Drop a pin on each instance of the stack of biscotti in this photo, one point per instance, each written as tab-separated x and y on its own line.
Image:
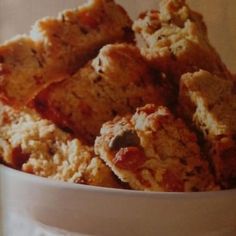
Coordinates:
83	101
58	47
116	82
55	49
176	42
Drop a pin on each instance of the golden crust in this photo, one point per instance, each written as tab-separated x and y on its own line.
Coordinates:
176	41
116	82
210	103
73	38
154	151
36	146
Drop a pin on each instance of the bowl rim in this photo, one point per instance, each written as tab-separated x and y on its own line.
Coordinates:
6	172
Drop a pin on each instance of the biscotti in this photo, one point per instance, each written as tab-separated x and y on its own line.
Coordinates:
73	38
210	103
37	146
154	151
176	41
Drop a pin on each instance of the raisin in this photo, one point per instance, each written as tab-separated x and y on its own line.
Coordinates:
183	161
2	60
198	169
127	138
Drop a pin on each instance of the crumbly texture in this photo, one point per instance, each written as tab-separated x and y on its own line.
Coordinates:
175	41
22	71
210	103
114	83
36	146
76	35
154	151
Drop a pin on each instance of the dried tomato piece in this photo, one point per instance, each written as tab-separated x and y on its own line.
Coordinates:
172	183
129	158
19	157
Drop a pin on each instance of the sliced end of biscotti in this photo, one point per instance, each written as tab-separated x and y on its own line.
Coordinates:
23	72
210	103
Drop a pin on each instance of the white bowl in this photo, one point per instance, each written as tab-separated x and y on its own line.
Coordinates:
102	211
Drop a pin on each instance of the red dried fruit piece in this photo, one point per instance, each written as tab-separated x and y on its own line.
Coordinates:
172	183
129	158
228	164
19	157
